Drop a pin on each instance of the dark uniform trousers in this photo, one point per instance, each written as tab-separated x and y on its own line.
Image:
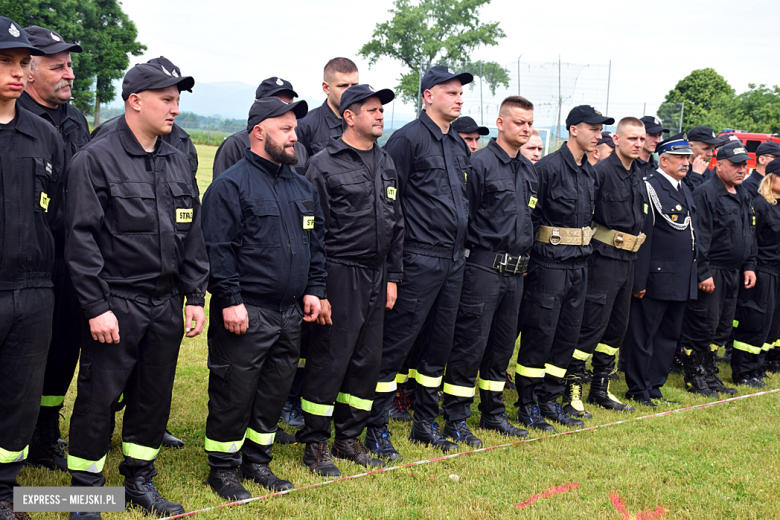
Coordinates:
25	333
605	318
249	379
756	323
552	310
344	359
704	315
651	347
143	366
429	291
484	341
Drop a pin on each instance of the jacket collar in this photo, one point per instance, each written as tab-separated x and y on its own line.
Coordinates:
336	145
24	122
499	152
426	120
617	165
132	146
33	106
264	165
569	158
330	118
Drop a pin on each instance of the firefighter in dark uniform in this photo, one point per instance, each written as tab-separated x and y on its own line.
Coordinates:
664	275
621	206
766	152
31	164
263	228
703	141
502	195
554	297
135	251
46	95
232	148
470	131
357	187
432	164
727	246
654	134
757	318
178	138
324	122
604	148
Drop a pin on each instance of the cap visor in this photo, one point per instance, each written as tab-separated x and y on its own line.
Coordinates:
679	151
483	130
34	51
743	157
465	78
62	47
656	130
280	89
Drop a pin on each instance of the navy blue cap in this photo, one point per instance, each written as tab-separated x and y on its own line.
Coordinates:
49	41
357	93
703	134
442	74
155	74
606	138
587	114
768	148
653	125
466	125
773	166
267	108
13	37
271	86
734	151
676	145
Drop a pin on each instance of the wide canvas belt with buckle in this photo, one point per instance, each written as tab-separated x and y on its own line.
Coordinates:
564	236
618	239
501	262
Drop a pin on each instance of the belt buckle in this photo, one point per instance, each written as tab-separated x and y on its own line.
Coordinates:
501	263
618	241
555	236
639	241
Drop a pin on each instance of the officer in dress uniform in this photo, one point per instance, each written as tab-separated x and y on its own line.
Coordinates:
664	275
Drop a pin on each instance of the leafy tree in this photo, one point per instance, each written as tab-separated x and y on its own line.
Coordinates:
756	110
430	32
699	91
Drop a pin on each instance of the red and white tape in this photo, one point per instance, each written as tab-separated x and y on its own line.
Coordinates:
481	450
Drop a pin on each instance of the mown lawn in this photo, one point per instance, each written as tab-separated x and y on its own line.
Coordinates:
721	462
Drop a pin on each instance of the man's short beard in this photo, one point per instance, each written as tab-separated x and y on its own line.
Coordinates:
277	152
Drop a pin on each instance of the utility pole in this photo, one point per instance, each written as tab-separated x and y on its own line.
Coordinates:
560	101
419	91
682	111
481	111
609	79
518	74
644	110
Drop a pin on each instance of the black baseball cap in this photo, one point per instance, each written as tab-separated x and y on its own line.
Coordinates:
773	166
465	125
13	37
653	125
606	138
703	134
442	74
49	41
726	139
587	114
734	151
271	86
676	145
768	148
267	108
155	74
357	93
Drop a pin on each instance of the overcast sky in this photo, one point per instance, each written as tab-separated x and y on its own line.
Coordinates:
652	44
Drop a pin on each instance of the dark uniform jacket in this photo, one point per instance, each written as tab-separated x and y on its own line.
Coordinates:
621	203
767	231
726	232
317	128
74	130
31	164
502	195
566	195
666	262
263	228
750	185
178	138
232	150
433	170
694	180
132	223
646	168
363	220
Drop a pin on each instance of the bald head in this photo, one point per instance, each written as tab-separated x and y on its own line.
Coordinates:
629	139
627	122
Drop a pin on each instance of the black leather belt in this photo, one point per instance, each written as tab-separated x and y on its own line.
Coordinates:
501	262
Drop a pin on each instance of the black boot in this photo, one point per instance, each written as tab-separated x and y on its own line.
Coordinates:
169	441
427	432
499	423
554	412
696	375
7	512
399	407
45	449
459	431
713	381
572	397
292	414
353	449
530	416
599	394
263	475
378	442
317	459
224	482
678	363
140	492
282	437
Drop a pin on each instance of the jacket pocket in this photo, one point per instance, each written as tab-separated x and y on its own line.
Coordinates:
262	224
615	208
350	192
182	205
306	212
42	194
132	209
500	194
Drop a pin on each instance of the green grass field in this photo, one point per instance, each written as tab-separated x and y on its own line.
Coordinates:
721	462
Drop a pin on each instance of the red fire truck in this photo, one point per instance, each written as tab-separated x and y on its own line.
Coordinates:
751	142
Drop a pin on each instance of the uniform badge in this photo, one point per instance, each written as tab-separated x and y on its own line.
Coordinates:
645	209
279	82
391	192
45	201
184	215
308	222
372	89
55	37
754	220
532	202
450	71
674	218
14	31
165	70
678	207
